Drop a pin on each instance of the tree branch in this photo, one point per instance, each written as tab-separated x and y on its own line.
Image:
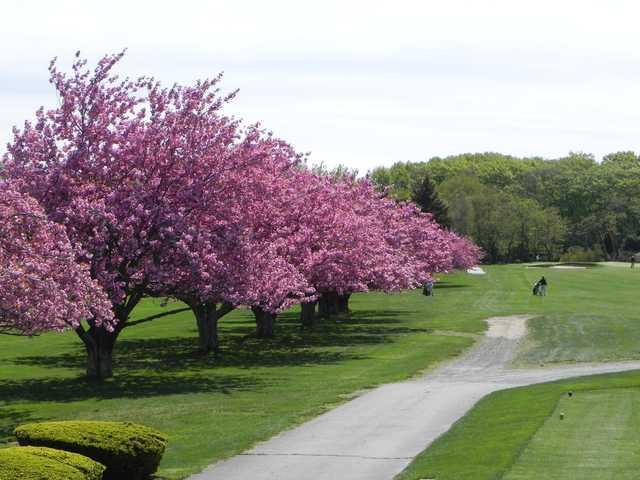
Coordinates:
225	308
159	315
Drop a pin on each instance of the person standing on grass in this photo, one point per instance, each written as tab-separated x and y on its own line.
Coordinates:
428	288
633	261
542	286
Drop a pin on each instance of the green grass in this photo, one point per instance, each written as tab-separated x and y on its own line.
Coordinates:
589	315
518	434
590	436
214	408
582	337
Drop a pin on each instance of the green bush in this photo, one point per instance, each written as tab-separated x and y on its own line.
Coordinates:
129	451
41	463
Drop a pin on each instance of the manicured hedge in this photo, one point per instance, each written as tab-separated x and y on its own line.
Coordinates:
41	463
129	451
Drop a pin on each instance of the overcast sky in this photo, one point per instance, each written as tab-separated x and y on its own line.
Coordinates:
362	83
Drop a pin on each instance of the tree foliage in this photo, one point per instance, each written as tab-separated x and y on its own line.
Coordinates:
42	286
573	201
159	193
424	194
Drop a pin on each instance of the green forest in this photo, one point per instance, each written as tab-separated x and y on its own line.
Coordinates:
523	209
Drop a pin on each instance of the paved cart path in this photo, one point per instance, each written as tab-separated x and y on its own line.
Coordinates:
376	435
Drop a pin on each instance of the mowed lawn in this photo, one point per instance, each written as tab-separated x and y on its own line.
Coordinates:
216	407
519	435
592	435
589	315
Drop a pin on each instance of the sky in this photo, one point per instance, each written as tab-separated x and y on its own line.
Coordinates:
361	83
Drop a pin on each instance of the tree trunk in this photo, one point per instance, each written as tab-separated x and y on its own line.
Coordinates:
343	303
328	304
332	298
207	322
323	306
100	353
207	316
265	322
99	342
268	324
308	314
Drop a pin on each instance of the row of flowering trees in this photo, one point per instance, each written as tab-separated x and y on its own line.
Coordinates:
128	189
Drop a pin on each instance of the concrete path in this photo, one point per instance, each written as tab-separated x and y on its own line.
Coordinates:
376	435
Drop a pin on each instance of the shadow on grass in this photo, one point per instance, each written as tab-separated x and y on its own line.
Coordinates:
164	366
179	354
123	385
364	317
10	418
449	285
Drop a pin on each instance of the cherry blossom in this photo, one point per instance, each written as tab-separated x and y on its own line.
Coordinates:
160	193
42	287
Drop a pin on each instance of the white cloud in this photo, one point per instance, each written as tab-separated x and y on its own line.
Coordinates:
363	83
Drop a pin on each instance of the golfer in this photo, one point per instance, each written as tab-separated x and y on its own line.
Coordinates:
542	286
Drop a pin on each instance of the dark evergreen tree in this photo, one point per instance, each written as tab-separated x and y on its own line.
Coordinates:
425	195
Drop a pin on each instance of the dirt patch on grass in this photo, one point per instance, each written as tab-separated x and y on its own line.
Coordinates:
513	327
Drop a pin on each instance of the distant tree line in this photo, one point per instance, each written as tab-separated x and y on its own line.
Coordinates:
520	209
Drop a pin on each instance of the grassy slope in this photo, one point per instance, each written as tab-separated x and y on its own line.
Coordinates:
213	408
217	407
510	434
598	438
588	315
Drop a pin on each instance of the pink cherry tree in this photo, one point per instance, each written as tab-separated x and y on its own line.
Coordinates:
466	254
159	193
345	237
411	246
230	256
42	287
127	167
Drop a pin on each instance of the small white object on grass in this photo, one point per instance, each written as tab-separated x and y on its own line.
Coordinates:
476	271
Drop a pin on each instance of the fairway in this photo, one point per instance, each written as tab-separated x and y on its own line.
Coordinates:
590	315
597	438
217	407
518	434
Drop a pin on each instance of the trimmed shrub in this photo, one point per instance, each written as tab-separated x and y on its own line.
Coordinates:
129	451
41	463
